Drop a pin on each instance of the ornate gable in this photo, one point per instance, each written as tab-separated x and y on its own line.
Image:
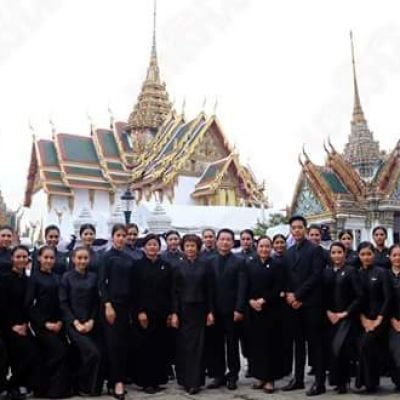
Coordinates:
307	203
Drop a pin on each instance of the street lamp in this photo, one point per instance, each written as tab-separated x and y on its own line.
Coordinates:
128	198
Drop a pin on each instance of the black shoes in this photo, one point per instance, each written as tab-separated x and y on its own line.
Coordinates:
15	394
341	389
216	383
193	390
231	384
293	385
316	390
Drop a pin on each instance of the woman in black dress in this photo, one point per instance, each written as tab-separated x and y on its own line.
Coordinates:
347	239
342	296
79	301
375	307
131	241
173	253
381	258
278	246
87	234
265	284
153	316
192	306
6	236
21	346
46	321
117	293
52	238
394	330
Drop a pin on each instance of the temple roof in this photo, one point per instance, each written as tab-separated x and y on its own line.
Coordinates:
153	103
102	161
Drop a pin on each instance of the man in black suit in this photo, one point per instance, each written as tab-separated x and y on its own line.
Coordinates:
230	292
304	264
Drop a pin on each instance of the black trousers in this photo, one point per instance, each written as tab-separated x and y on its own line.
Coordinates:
224	348
394	350
24	359
117	344
307	326
89	373
3	366
55	379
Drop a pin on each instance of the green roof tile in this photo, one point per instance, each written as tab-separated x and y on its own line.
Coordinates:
79	149
334	183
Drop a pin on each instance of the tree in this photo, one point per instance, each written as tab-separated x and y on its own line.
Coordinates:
274	220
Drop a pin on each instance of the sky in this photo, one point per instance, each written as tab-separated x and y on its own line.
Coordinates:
280	71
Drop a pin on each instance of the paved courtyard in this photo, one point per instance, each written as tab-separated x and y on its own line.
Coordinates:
245	392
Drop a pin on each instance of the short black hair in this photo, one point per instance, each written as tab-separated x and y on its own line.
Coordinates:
277	236
51	228
294	218
80	248
380	228
392	247
149	237
7	227
346	232
226	230
132	225
264	237
172	232
19	247
365	245
44	248
337	244
248	232
118	227
87	226
208	230
315	227
191	237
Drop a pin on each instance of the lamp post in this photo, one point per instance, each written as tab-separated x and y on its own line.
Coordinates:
128	198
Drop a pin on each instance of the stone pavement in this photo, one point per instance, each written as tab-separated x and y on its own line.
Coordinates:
245	392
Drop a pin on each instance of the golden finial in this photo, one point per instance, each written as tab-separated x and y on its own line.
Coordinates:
326	148
183	106
111	115
331	145
300	160
90	119
305	154
52	126
32	130
203	105
215	106
358	114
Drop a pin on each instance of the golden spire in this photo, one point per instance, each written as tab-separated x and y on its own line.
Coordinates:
358	114
153	103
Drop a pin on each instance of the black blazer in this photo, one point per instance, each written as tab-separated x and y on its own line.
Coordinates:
230	284
342	290
265	280
304	264
377	292
192	283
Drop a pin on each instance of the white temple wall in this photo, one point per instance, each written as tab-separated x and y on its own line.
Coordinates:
183	190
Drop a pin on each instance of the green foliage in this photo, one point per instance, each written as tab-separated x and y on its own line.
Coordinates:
274	220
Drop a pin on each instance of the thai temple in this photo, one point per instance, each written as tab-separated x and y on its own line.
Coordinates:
357	189
183	173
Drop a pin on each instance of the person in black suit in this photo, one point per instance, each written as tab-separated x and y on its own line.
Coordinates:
6	236
342	299
132	247
192	307
394	330
79	302
315	236
209	249
44	313
346	238
381	258
117	291
375	308
304	264
230	299
152	316
52	237
22	348
264	316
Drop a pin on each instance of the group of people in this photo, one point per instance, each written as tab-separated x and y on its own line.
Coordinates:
70	322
